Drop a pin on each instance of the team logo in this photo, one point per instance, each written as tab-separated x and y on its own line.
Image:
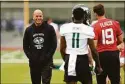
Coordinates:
38	40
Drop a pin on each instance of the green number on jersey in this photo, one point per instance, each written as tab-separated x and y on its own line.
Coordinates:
75	40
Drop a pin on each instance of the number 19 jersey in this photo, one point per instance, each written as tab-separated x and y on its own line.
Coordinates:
106	32
76	36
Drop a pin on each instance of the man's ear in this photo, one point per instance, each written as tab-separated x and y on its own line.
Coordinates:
33	16
95	14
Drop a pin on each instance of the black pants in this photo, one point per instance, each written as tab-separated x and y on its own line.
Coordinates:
110	63
83	73
40	70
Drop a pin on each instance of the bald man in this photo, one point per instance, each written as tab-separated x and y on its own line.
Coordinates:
39	45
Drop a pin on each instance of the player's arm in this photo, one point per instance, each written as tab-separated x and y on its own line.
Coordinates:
53	42
57	33
63	47
26	43
118	33
95	54
120	44
90	57
58	36
120	39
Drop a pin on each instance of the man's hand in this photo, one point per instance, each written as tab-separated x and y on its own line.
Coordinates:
98	70
120	47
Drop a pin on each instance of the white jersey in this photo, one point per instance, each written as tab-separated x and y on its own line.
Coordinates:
76	36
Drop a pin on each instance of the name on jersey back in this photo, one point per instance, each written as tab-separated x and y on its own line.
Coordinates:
107	23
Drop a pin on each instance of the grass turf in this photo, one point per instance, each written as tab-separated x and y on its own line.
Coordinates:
18	73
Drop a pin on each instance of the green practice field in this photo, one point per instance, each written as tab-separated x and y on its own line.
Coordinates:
18	73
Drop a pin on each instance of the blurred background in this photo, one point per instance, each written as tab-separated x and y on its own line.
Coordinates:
17	15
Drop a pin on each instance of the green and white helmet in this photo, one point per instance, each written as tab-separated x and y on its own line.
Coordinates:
87	15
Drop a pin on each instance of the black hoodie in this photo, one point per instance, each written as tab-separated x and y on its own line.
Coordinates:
39	43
